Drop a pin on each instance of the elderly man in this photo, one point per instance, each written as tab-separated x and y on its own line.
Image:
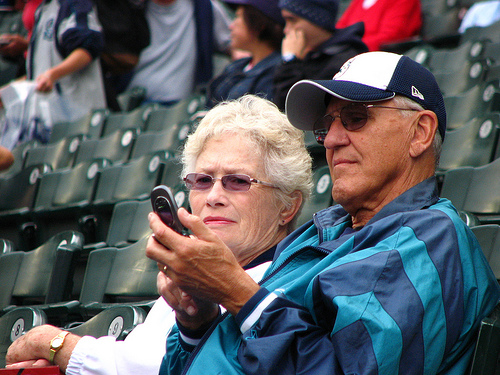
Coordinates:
389	281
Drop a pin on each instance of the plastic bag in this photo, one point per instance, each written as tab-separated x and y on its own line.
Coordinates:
30	114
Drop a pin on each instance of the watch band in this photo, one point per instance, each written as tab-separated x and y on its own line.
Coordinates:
56	344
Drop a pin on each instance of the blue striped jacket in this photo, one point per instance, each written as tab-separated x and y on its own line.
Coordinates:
403	295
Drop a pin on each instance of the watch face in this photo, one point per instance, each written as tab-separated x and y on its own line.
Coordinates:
57	342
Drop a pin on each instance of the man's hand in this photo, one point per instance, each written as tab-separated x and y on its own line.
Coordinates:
200	265
295	43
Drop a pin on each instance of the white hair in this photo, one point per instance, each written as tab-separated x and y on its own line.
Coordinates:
287	164
404	102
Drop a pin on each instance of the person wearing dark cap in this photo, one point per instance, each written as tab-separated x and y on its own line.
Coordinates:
257	29
388	281
313	48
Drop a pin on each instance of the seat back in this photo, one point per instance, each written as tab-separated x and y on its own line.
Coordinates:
321	196
134	119
486	355
19	191
132	180
474	102
57	155
488	236
129	222
473	144
45	273
170	139
119	275
116	321
68	188
114	147
90	126
470	74
15	323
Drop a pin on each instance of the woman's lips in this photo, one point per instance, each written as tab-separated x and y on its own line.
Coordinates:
217	220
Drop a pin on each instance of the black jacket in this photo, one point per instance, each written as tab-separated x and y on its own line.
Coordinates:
322	63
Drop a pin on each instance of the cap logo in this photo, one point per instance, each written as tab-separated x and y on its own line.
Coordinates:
416	93
343	69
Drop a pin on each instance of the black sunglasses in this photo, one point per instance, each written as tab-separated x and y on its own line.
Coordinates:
231	182
353	117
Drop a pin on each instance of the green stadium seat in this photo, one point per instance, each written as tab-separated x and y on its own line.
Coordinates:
116	321
321	195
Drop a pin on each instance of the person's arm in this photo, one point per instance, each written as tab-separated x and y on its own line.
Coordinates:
33	349
76	61
17	45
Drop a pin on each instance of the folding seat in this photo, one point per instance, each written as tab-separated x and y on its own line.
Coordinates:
491	51
19	153
18	191
486	359
488	236
57	155
116	321
128	224
453	59
474	102
470	74
170	139
117	276
421	53
64	198
321	195
134	119
476	190
42	275
16	323
132	180
89	126
474	144
115	147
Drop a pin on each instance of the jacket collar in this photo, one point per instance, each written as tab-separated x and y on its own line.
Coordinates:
420	196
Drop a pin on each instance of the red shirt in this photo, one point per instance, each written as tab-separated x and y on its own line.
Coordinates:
386	21
29	15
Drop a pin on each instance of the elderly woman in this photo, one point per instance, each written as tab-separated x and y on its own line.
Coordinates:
258	30
248	173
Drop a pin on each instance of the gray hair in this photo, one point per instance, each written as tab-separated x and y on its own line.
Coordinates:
404	102
287	164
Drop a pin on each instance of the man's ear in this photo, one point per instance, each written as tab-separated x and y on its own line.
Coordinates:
288	214
426	126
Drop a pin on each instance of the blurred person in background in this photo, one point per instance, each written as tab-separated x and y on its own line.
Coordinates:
386	21
184	36
313	48
257	29
64	51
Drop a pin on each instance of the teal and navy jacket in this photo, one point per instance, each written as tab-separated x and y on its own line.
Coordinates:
403	295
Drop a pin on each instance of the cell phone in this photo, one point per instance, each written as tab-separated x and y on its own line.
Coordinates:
164	205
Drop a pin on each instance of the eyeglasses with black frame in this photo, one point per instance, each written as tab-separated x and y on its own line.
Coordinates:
353	117
230	182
